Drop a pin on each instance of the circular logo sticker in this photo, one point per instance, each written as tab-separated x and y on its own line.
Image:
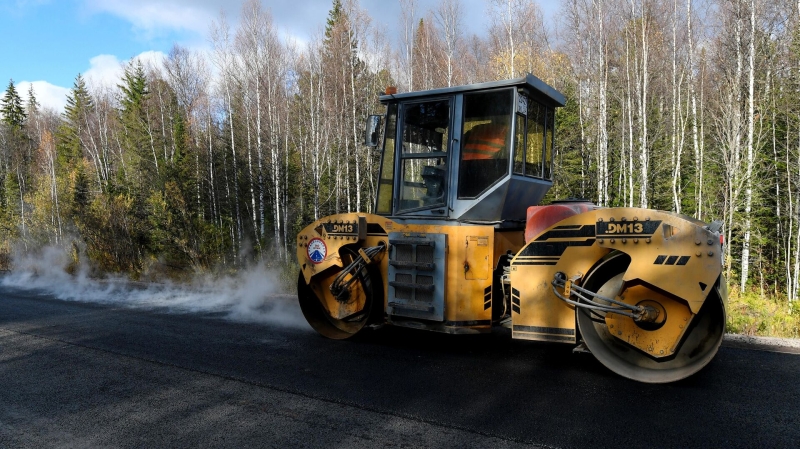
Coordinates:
317	250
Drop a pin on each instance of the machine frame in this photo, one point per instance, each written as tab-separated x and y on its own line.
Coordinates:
460	245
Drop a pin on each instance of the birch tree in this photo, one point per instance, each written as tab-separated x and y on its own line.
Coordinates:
518	37
750	158
428	52
408	20
586	28
698	159
224	61
448	16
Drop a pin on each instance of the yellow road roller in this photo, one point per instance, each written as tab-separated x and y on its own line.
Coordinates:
458	244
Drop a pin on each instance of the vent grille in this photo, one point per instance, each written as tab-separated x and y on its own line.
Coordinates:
423	295
425	254
416	275
404	253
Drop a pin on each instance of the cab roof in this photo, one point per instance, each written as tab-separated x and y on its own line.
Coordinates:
534	87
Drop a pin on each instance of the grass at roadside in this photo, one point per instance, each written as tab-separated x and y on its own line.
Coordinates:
288	273
751	314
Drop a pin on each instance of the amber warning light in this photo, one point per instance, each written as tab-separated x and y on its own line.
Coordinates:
391	90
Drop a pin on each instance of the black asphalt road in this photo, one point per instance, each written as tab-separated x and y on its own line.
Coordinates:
85	375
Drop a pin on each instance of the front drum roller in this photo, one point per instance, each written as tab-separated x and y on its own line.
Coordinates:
697	347
369	285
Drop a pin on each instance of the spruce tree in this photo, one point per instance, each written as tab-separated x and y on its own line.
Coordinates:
11	109
17	164
334	15
79	103
33	104
134	89
133	117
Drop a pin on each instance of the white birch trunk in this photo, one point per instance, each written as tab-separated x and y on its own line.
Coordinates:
603	178
629	100
698	174
676	150
750	156
238	217
644	157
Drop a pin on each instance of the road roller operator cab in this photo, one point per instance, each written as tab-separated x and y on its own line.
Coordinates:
479	153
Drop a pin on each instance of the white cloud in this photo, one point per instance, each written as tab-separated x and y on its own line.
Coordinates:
154	59
156	15
105	71
48	95
297	20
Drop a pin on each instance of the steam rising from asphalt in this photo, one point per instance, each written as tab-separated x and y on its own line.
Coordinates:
252	295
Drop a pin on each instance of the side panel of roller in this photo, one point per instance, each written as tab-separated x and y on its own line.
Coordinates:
670	252
568	247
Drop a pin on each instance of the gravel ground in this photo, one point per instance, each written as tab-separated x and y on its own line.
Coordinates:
785	345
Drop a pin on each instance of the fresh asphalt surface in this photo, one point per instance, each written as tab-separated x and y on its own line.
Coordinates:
85	375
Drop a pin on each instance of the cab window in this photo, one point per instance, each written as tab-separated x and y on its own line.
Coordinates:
386	181
485	142
534	139
423	158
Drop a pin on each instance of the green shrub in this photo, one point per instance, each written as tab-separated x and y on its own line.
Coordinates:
751	314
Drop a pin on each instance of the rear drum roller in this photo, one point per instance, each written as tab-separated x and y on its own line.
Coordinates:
697	347
326	325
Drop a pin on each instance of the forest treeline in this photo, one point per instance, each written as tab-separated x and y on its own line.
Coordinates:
214	159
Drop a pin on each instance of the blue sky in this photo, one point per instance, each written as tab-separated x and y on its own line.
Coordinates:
55	40
48	42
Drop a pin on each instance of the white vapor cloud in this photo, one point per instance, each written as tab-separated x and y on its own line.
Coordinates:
253	295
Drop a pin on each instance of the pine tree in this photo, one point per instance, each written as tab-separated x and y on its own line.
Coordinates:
13	113
33	104
79	103
134	89
133	117
334	15
338	31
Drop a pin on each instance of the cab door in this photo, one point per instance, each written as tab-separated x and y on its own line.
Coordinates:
423	164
